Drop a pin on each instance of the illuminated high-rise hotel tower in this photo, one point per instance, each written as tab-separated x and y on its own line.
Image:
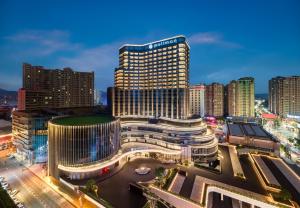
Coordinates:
152	80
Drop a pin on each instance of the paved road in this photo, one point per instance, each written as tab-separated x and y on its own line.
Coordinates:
33	192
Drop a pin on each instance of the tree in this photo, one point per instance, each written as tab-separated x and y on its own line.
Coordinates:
95	189
160	173
91	187
277	123
297	143
285	195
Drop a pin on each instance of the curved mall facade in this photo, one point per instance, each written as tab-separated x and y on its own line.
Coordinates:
82	144
83	151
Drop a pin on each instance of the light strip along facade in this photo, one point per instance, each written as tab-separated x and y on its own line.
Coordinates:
152	80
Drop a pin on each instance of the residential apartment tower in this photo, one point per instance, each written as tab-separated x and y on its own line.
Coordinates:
214	100
197	102
240	97
284	95
46	88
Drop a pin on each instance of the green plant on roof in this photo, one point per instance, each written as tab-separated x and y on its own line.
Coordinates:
83	120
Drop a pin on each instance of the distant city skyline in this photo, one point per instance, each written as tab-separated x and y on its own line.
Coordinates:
227	40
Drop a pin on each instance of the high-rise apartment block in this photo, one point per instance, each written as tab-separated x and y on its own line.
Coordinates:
231	92
284	95
152	80
45	88
240	97
197	101
97	97
214	100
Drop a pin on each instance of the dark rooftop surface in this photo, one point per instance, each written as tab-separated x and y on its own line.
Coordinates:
83	120
235	130
248	129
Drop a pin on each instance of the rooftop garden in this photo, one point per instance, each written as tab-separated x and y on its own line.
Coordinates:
83	120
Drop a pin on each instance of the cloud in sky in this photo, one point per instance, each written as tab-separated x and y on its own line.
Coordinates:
225	75
43	42
101	59
54	48
211	38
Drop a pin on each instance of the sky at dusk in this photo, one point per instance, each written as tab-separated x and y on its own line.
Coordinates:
228	39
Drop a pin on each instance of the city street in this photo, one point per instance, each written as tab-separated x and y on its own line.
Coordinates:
33	192
286	131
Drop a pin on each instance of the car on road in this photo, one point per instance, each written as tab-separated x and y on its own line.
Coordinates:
13	192
20	205
3	183
16	200
6	187
11	157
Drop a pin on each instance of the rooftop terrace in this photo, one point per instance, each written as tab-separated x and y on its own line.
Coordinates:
83	120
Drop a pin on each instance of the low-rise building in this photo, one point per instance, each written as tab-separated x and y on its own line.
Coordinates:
30	129
250	135
30	135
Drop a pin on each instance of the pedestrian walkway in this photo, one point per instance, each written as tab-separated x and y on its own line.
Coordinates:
175	200
292	177
177	184
236	165
265	171
209	186
197	191
187	185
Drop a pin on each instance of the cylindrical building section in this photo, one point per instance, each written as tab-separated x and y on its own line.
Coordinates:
80	141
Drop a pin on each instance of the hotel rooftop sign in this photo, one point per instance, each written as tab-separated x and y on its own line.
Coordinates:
162	43
154	45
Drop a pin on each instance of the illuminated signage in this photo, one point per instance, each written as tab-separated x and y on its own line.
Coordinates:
162	43
41	132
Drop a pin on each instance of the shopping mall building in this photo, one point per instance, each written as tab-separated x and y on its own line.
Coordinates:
150	117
